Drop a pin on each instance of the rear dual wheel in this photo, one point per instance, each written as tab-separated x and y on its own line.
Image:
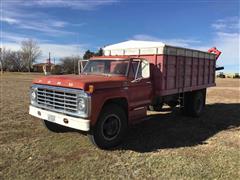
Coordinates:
194	103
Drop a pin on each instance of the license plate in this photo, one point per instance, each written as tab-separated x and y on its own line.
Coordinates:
51	118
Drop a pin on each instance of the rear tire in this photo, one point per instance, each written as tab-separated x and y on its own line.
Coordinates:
194	103
53	127
110	128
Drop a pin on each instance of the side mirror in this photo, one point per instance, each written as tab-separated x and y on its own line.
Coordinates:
143	71
81	64
145	67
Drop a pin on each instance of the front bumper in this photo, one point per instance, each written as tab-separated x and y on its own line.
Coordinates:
72	122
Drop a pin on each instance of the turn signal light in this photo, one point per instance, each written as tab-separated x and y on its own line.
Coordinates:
90	89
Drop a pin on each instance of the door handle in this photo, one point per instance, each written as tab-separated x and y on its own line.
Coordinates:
149	82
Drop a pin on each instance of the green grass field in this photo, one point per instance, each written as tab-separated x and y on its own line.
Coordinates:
167	146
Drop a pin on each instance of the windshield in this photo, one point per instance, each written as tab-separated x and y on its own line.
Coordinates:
109	67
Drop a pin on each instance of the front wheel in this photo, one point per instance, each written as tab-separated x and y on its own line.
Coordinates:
111	127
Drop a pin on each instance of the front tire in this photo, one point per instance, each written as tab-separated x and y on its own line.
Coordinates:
110	128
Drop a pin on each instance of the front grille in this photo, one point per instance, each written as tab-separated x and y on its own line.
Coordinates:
57	100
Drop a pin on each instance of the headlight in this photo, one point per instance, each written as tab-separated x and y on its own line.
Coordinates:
81	104
33	95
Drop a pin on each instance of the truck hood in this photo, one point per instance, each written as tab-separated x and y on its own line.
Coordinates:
82	81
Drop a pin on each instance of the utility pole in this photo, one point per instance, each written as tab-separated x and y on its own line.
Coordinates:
49	58
73	64
29	63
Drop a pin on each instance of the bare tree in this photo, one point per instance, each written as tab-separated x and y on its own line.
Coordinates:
30	52
16	61
12	61
5	55
70	64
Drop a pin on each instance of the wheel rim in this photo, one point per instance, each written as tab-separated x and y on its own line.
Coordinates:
111	127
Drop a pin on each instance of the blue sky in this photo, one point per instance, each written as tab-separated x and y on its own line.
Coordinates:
70	27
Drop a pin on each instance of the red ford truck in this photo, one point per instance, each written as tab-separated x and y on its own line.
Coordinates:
114	91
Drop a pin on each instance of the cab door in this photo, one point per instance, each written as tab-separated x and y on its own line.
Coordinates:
140	85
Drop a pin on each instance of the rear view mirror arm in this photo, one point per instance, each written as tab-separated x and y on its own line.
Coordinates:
137	70
80	65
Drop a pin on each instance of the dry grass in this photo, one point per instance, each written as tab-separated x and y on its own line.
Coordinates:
168	146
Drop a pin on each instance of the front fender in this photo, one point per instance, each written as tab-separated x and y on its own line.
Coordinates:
100	98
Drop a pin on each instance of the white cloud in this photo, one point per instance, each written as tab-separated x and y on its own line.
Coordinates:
59	24
11	37
14	14
62	50
11	46
57	50
13	41
145	37
49	29
7	37
226	24
219	26
9	20
174	42
226	38
228	43
36	22
74	4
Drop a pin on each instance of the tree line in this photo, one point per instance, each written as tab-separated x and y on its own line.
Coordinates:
23	59
69	65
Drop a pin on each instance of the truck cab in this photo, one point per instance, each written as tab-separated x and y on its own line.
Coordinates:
108	95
